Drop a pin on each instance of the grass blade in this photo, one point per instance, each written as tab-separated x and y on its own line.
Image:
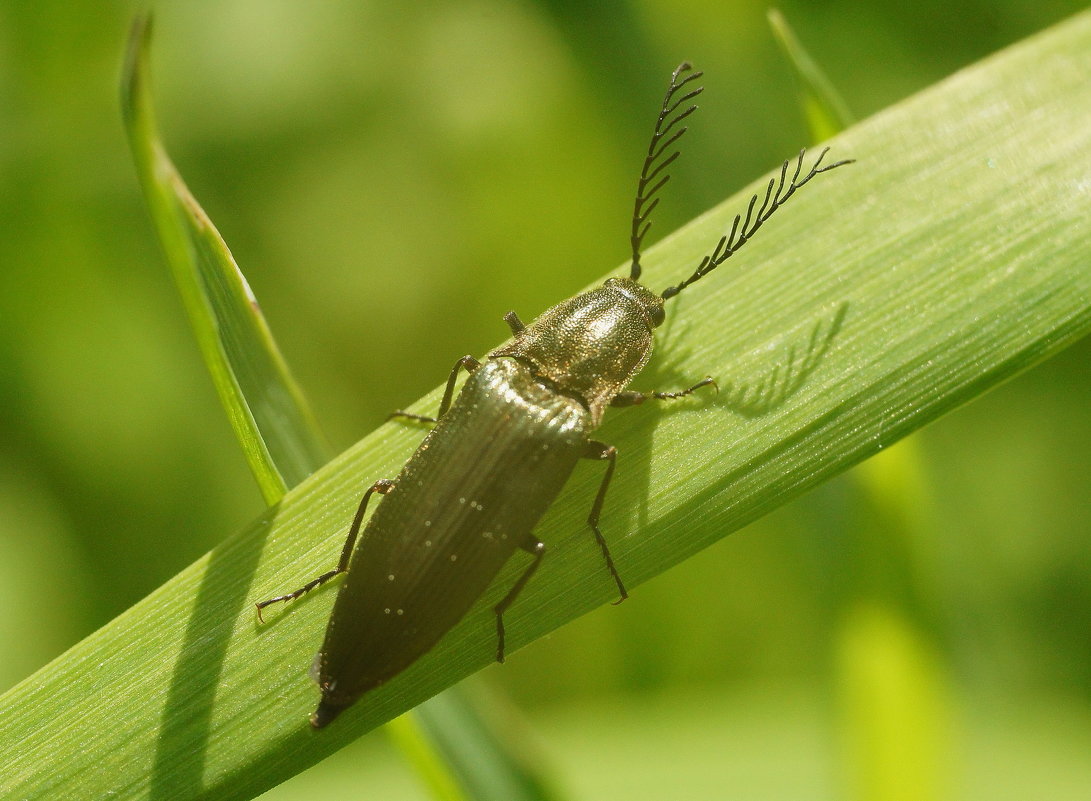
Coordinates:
824	109
274	425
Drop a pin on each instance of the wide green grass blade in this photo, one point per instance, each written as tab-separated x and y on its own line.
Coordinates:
270	416
893	696
955	254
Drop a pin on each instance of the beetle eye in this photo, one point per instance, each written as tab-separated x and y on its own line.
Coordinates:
657	316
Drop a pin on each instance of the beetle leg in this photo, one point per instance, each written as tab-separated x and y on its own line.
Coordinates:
382	486
637	398
536	548
602	451
467	362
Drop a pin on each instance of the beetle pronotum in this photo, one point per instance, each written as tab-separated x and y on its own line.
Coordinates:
473	492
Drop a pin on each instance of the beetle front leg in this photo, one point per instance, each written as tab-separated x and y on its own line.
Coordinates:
535	547
637	398
469	363
602	451
382	486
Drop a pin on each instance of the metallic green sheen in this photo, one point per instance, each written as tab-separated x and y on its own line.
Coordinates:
591	346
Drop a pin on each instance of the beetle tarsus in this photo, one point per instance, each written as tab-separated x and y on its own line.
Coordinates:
382	486
704	382
310	585
637	398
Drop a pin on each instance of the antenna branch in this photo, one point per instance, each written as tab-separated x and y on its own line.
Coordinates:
743	229
653	172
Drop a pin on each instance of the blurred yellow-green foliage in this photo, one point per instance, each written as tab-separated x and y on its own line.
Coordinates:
392	177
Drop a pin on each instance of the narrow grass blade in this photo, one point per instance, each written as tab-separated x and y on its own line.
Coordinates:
957	247
270	416
824	110
898	720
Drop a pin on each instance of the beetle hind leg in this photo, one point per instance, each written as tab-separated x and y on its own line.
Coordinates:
603	452
536	548
382	486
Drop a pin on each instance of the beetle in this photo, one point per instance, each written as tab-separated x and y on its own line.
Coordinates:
501	451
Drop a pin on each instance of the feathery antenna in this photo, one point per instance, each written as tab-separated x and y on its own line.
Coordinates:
654	163
743	229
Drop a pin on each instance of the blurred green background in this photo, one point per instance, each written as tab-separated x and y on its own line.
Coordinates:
392	178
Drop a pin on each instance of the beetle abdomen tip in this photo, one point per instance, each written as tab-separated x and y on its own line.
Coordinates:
324	714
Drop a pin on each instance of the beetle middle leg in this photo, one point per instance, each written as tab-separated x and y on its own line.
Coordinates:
603	452
382	486
469	363
536	548
637	398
